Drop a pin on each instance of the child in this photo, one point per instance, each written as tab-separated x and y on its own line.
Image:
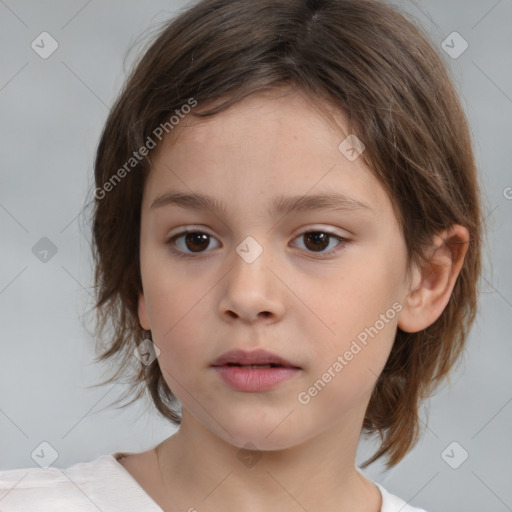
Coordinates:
318	152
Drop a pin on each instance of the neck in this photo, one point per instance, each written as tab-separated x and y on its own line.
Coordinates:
200	470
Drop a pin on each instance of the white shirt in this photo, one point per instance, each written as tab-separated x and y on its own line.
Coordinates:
100	485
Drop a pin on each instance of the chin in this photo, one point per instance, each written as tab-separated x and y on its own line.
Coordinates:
259	435
258	442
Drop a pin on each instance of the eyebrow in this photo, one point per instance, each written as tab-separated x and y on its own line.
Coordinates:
280	205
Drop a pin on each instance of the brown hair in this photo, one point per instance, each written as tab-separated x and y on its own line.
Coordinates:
361	57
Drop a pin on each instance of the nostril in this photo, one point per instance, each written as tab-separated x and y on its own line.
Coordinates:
232	314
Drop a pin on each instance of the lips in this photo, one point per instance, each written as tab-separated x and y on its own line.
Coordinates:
258	371
257	358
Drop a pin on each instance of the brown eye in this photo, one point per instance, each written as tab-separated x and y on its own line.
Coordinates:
316	240
319	241
197	242
190	242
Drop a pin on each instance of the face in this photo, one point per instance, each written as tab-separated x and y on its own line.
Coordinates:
320	286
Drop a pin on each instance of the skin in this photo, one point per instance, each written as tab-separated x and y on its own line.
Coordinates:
297	300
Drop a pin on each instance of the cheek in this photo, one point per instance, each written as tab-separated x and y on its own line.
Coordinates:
182	356
171	295
344	376
358	316
343	307
176	314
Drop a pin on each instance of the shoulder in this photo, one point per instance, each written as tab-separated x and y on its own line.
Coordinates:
82	486
392	503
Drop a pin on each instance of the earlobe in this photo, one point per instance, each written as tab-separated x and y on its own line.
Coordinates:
143	314
427	300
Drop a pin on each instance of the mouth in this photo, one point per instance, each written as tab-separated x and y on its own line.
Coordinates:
255	359
255	372
271	365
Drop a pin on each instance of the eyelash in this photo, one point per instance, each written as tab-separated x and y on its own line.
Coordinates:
342	243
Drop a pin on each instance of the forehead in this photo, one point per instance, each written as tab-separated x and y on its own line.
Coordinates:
277	110
268	144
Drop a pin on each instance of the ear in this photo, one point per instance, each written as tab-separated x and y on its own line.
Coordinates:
433	284
143	313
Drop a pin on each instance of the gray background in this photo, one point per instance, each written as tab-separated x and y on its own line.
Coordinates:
52	111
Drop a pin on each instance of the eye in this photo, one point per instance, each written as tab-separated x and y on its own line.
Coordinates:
317	241
195	241
190	242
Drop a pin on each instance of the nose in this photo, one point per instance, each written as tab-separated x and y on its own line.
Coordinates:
252	291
